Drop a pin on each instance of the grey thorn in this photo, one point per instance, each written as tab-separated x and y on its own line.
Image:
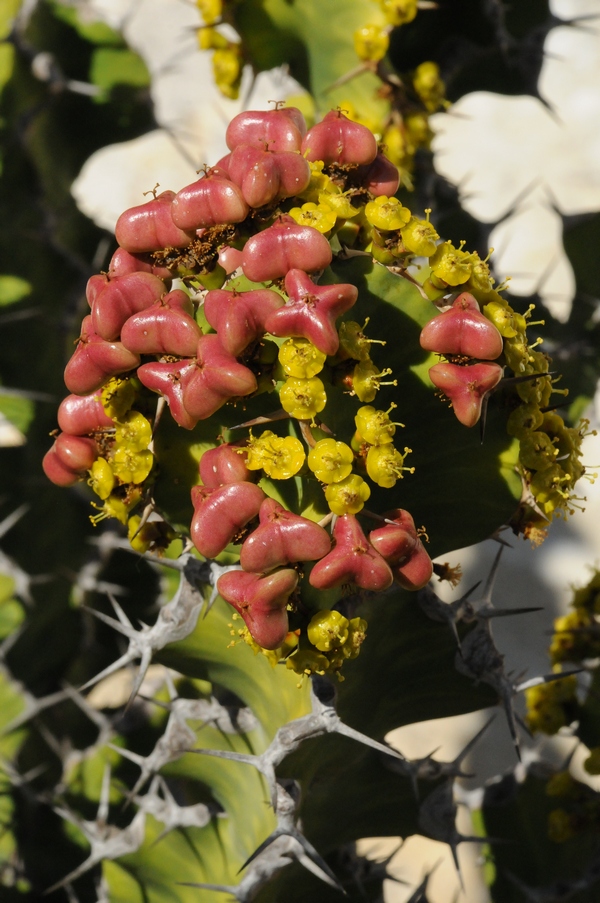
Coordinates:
160	803
175	621
176	740
450	613
430	769
288	796
322	720
106	841
33	707
227	719
437	820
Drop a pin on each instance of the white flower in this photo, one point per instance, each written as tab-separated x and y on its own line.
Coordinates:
190	110
521	163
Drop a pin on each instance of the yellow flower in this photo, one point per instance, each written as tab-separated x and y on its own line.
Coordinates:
133	432
320	216
102	479
331	461
303	398
387	214
300	358
117	397
348	496
281	457
132	467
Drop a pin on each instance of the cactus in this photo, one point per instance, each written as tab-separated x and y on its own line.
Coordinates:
198	673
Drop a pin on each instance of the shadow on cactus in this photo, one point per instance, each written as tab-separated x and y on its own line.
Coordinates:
255	397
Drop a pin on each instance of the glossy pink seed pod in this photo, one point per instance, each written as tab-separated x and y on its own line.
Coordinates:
150	227
463	330
396	541
80	415
77	453
282	538
167	327
466	387
56	471
262	602
239	317
95	285
169	378
275	130
256	174
95	361
352	560
224	464
311	311
338	139
402	548
229	258
122	263
210	201
218	376
282	247
220	513
122	297
381	177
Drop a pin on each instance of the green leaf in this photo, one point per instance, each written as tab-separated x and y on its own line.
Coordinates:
12	288
8	11
316	41
7	62
115	66
19	411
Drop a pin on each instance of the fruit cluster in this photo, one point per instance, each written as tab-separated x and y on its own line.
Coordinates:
214	297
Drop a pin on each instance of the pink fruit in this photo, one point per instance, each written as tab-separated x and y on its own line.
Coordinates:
210	201
274	130
380	177
311	311
261	601
239	318
167	327
150	227
352	560
122	263
282	247
224	464
229	258
466	387
402	548
338	139
80	415
56	471
217	377
463	330
94	361
169	379
77	453
264	176
95	285
220	514
282	538
122	297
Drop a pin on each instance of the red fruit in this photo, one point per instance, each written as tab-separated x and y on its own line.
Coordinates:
352	560
122	297
311	311
239	318
274	130
229	258
338	139
56	471
395	542
255	172
95	285
76	453
150	226
380	177
94	361
210	201
281	538
80	415
122	263
217	377
169	379
167	327
261	601
282	247
224	464
401	547
463	330
466	387
220	514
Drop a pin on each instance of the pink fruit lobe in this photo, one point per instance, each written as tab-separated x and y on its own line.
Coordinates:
352	560
463	330
466	387
282	538
220	514
284	246
239	318
150	227
261	601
